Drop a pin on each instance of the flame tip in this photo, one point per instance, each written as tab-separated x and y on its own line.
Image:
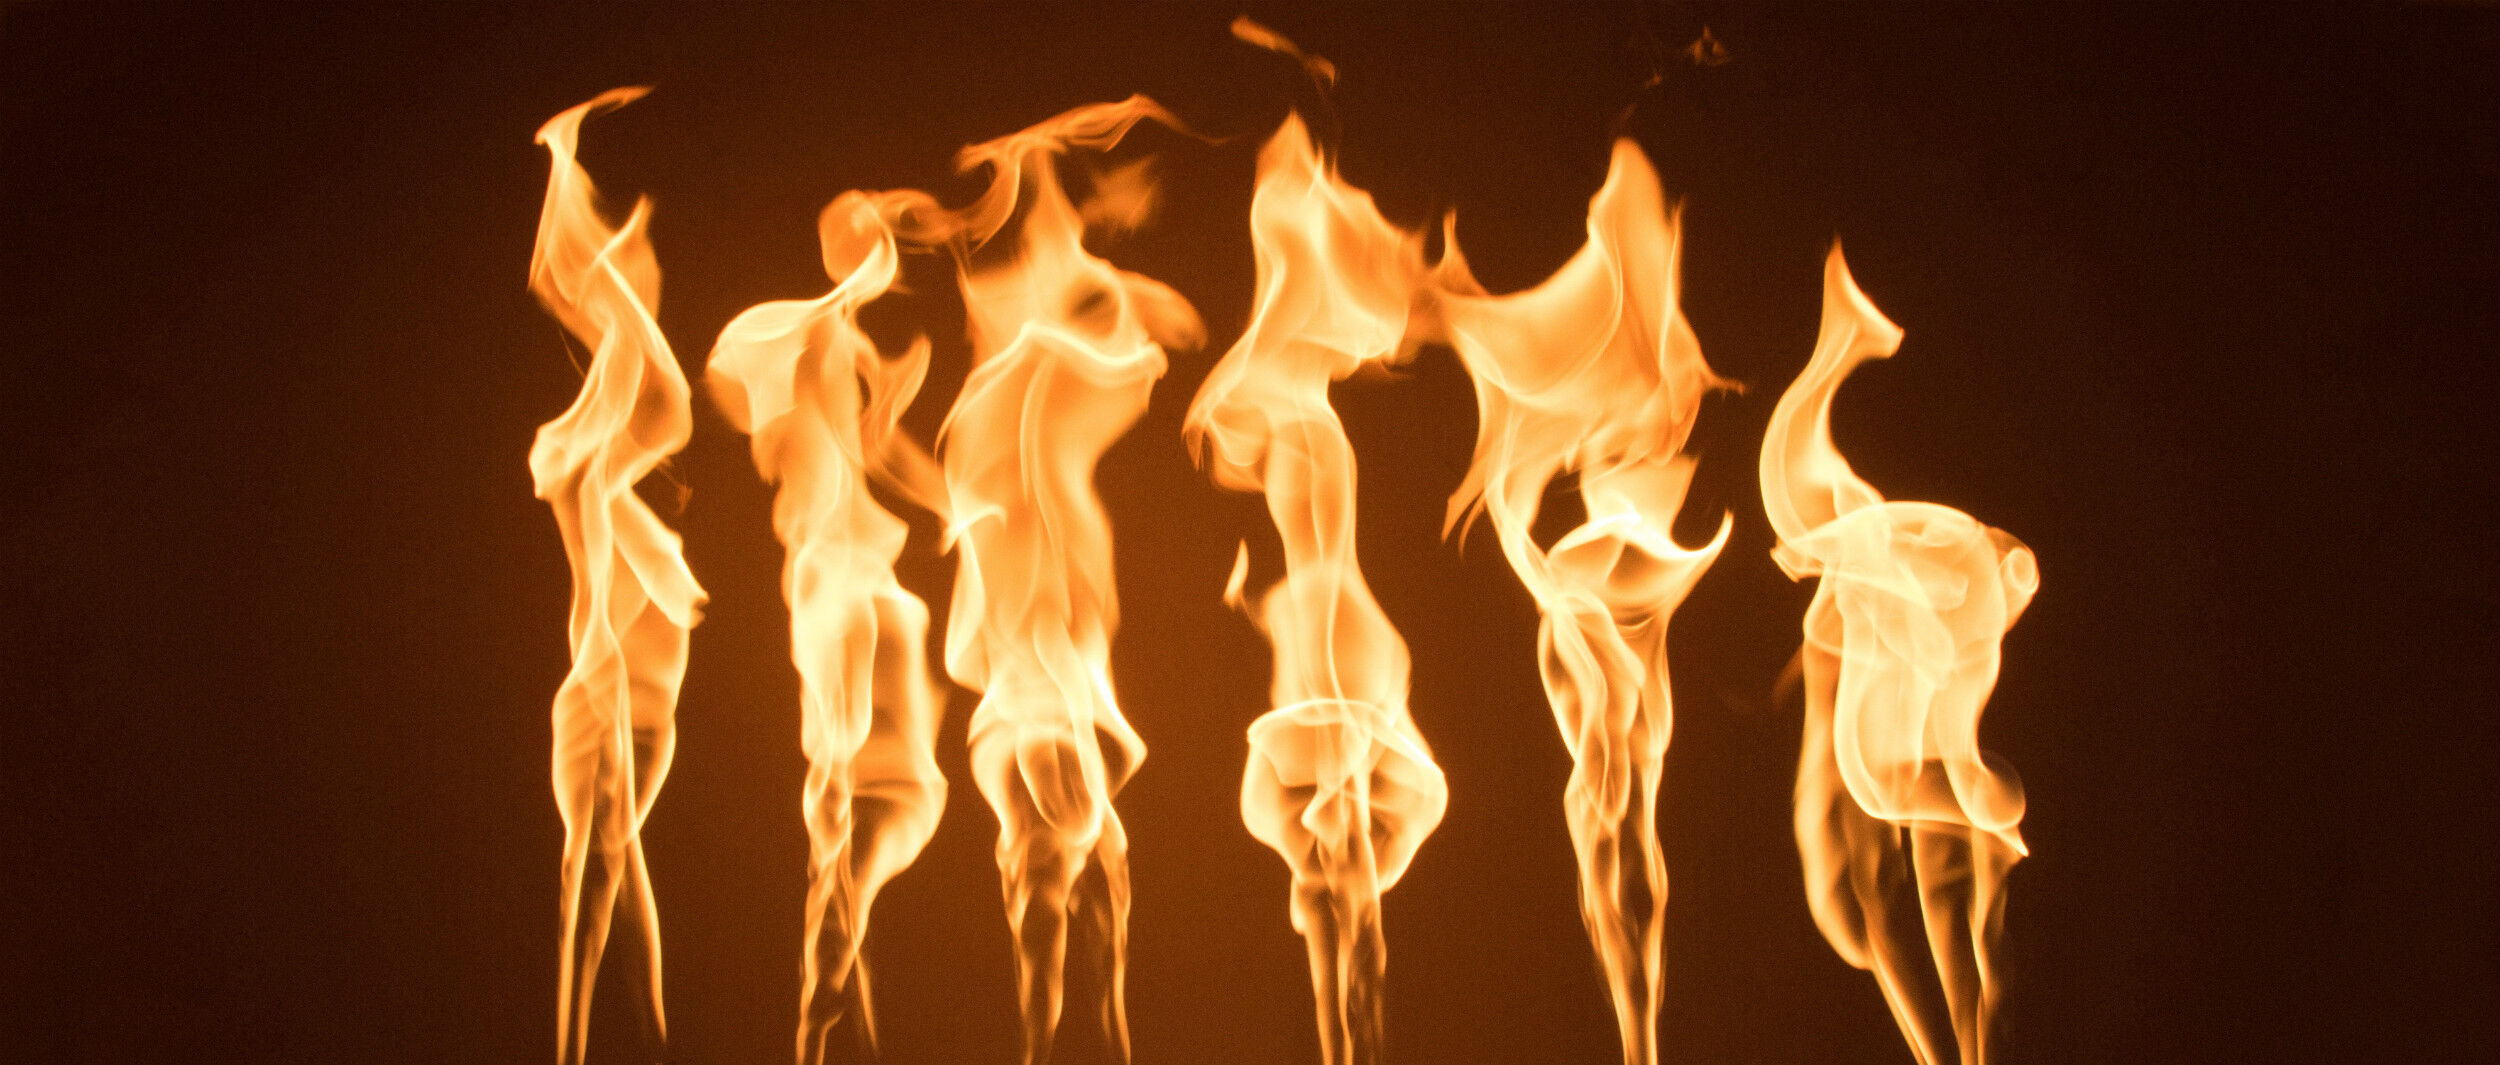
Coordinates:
1323	73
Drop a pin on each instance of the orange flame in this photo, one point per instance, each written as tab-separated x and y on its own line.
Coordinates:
1596	371
1903	823
633	597
821	405
1339	781
1066	351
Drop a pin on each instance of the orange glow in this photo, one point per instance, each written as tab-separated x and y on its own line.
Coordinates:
1595	371
634	600
1906	827
1339	780
820	402
1066	350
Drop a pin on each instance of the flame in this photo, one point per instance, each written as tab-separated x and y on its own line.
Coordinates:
1339	780
1323	73
1066	352
821	405
1903	823
1596	371
634	600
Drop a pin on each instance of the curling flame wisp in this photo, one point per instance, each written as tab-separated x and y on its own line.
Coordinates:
1339	781
634	600
820	404
1596	371
1907	829
1066	351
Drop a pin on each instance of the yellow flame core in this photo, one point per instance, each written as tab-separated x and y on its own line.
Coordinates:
634	600
1339	780
1066	351
1596	371
820	404
1907	829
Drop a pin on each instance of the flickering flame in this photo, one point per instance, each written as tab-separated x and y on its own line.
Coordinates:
1323	73
1066	350
633	597
1595	371
820	402
1339	781
1906	827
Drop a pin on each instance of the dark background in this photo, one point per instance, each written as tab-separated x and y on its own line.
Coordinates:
2200	304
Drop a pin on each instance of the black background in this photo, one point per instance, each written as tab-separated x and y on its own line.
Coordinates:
2200	304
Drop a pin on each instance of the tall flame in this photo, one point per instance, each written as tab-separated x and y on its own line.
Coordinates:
1066	351
1596	371
821	405
1903	823
634	600
1339	780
